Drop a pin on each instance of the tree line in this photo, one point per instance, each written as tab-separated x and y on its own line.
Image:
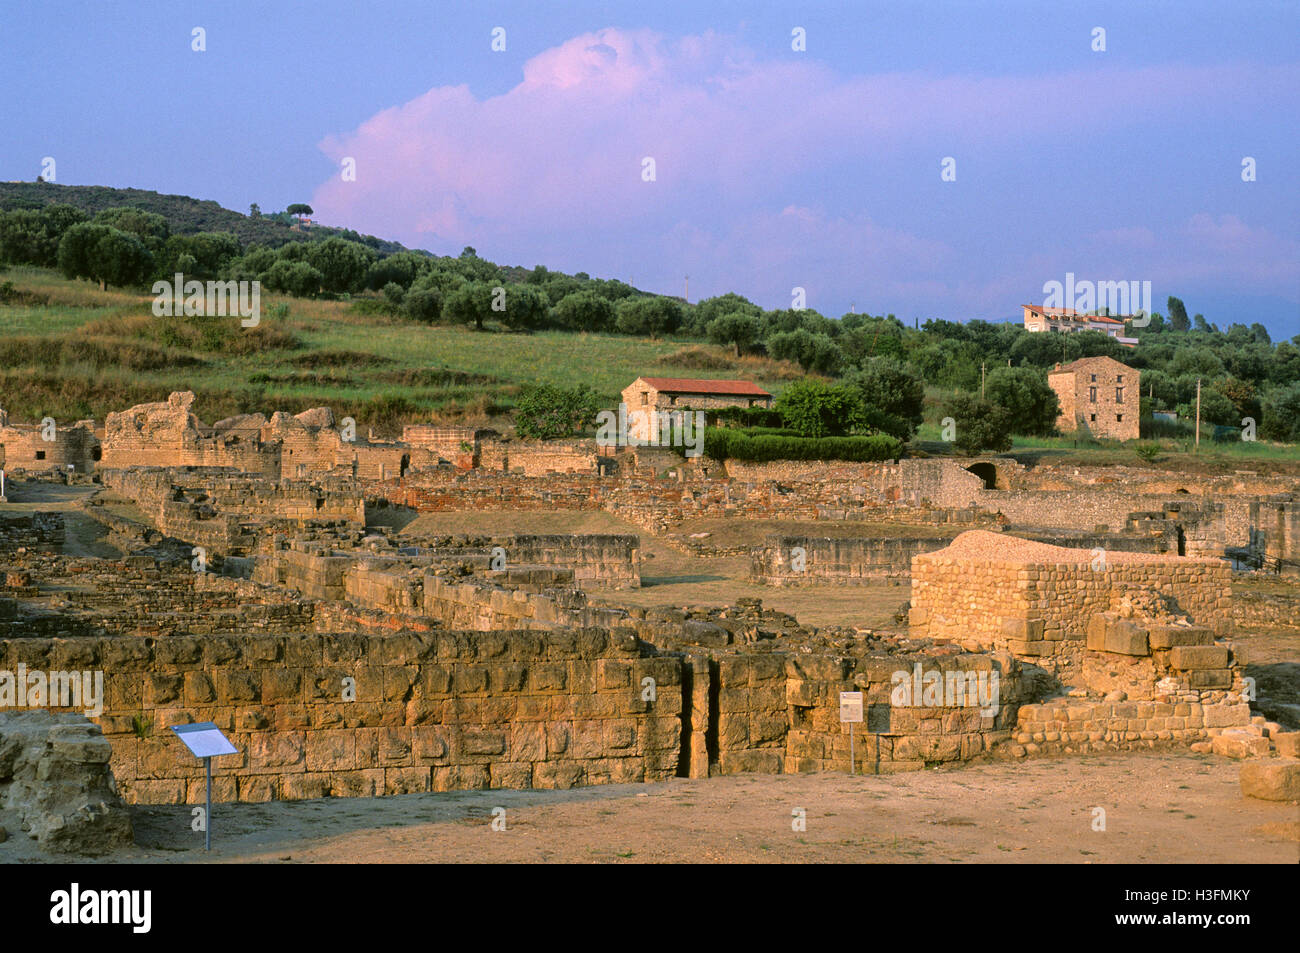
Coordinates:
1243	373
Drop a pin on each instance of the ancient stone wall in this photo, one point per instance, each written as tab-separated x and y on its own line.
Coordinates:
532	458
25	447
42	531
432	711
967	596
168	434
1275	540
220	510
603	560
809	560
956	724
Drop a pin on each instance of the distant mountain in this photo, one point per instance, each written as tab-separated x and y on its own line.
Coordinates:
184	215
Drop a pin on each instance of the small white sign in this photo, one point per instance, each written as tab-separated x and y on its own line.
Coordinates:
204	739
850	706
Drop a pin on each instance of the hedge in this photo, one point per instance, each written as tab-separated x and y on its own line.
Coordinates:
760	448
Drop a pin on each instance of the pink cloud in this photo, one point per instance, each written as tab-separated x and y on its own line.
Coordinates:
550	170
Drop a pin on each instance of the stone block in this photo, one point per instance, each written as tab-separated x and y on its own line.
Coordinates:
1125	638
1170	636
560	775
1188	657
510	774
1236	743
1023	630
1273	780
1210	678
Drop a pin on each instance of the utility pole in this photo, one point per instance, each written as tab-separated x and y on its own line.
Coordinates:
981	380
1198	412
688	289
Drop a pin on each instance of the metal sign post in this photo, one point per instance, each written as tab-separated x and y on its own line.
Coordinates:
851	712
205	741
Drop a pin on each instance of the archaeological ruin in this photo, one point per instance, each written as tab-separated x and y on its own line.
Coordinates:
272	575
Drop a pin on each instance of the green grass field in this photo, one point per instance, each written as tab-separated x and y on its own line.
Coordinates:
70	350
1172	454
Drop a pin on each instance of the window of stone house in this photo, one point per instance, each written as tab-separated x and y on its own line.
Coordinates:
1092	395
1092	418
645	397
1119	395
1119	418
1119	378
1093	377
40	454
672	401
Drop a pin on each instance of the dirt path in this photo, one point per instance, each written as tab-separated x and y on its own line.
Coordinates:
1159	808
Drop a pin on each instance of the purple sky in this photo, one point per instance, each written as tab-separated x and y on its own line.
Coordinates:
775	168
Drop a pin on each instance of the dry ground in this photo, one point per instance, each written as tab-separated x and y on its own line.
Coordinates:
1159	808
672	577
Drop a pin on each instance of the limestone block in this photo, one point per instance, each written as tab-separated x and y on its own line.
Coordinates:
508	774
1288	744
557	775
1210	678
1169	636
1187	657
1125	638
1237	743
1274	780
1023	630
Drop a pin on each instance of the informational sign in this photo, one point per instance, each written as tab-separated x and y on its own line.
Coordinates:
851	714
204	739
850	706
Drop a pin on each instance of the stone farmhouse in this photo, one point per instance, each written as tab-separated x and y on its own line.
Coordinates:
1099	392
1067	319
677	394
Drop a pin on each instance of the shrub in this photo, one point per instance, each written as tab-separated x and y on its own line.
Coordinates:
745	417
1034	406
981	425
424	304
762	447
816	409
892	394
545	411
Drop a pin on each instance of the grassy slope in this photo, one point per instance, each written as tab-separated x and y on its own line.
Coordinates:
88	352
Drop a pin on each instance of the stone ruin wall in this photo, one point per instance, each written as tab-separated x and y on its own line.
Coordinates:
968	600
219	509
534	458
448	710
394	582
834	561
1276	538
22	447
858	560
444	711
39	531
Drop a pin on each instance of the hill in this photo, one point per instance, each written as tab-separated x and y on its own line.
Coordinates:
185	215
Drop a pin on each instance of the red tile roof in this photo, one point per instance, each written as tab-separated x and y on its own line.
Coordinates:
1070	313
1084	362
685	385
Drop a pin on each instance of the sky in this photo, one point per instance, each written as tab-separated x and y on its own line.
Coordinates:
774	168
